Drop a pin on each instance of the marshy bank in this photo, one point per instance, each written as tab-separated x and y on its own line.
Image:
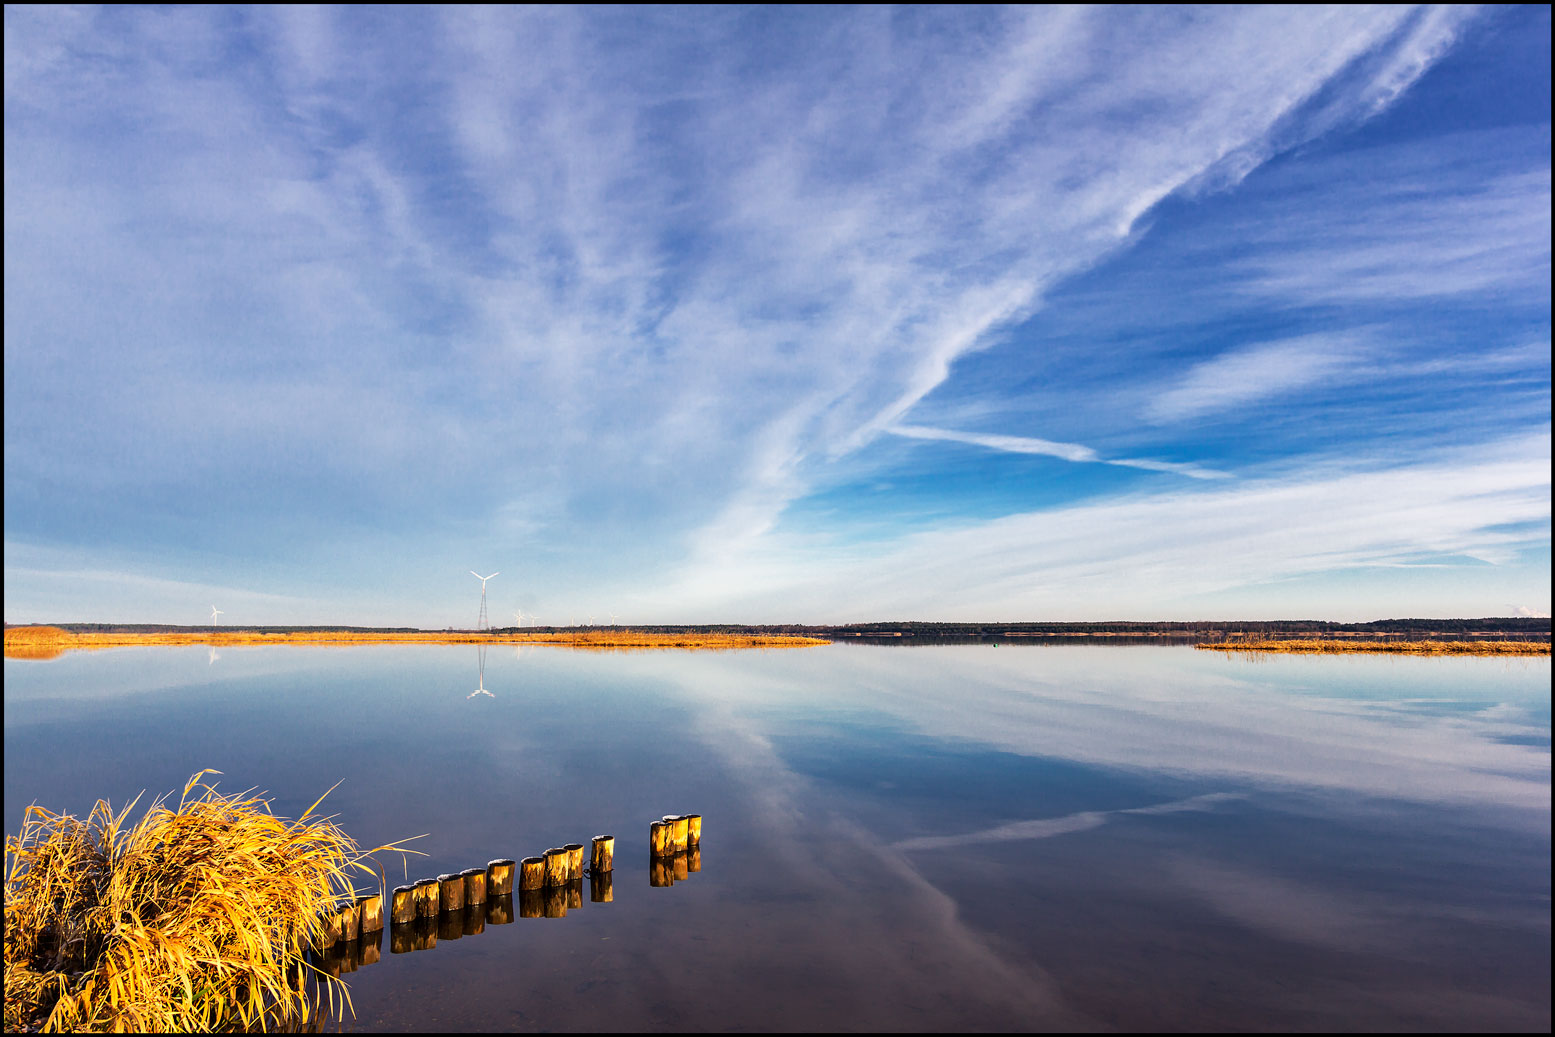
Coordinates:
1327	647
193	918
50	642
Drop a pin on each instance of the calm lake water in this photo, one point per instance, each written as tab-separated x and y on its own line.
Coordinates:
895	838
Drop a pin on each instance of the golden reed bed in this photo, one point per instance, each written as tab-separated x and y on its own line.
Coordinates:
1391	647
191	919
39	642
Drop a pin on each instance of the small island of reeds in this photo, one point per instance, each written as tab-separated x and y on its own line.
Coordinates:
193	918
1326	647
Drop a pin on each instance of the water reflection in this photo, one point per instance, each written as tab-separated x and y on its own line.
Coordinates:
921	838
480	651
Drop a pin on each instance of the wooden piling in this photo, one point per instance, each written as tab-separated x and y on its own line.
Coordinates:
370	908
555	867
693	830
531	873
659	834
450	893
600	891
404	905
602	859
499	910
474	885
348	920
328	931
680	832
499	878
427	898
574	861
531	903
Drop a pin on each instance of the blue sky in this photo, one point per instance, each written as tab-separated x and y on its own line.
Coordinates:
807	315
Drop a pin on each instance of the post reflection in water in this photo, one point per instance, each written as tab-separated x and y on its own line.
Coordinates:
499	910
450	925
601	889
346	956
673	868
531	903
555	901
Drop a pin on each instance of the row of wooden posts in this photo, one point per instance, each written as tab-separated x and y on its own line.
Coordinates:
547	885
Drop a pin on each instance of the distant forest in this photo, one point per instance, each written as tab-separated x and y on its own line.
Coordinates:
1521	627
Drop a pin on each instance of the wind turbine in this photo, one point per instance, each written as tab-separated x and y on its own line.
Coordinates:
481	623
214	613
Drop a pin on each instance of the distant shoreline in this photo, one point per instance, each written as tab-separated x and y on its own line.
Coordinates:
42	642
39	641
1310	647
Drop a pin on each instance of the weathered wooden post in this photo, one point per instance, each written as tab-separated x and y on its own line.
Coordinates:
574	861
555	867
531	873
370	907
680	832
693	830
603	857
474	885
328	931
403	905
450	893
499	878
348	920
659	835
499	910
600	891
427	898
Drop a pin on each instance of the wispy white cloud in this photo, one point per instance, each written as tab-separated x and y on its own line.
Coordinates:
1254	373
1048	448
1150	556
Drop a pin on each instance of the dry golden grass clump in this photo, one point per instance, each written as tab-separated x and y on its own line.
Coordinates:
195	918
1396	647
